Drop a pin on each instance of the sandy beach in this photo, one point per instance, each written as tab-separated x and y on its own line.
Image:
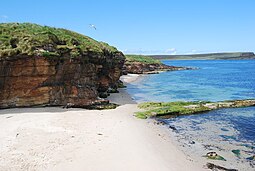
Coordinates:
78	139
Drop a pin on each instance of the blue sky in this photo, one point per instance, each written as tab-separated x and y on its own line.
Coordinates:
146	26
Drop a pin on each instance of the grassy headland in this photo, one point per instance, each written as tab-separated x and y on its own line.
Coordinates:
141	59
140	64
208	56
33	39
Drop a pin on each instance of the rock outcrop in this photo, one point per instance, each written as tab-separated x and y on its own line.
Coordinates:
140	64
55	67
143	68
174	109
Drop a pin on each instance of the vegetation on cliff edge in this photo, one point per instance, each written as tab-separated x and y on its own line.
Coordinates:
141	59
33	39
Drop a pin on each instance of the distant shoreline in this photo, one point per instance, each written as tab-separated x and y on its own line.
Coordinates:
208	56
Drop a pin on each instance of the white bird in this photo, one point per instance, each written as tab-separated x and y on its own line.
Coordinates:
93	26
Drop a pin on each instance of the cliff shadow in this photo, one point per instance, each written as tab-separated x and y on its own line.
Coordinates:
35	110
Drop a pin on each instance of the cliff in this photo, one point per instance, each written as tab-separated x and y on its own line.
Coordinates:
139	64
41	65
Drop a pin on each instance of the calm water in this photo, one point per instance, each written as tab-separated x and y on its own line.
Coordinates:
214	81
224	129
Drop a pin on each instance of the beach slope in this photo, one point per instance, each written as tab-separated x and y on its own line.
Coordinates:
78	139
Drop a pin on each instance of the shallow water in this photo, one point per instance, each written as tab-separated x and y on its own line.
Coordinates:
235	125
216	80
221	130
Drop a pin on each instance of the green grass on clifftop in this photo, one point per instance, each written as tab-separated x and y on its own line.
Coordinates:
142	59
33	39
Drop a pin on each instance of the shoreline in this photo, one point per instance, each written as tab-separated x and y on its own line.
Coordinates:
77	139
194	152
196	135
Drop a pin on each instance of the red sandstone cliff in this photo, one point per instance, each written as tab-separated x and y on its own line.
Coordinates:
30	78
33	80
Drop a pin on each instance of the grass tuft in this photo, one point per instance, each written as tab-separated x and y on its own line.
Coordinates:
33	39
142	59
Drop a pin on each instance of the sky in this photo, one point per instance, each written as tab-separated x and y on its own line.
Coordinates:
147	26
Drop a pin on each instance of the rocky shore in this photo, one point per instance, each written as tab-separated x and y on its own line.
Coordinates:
46	66
141	68
173	109
140	64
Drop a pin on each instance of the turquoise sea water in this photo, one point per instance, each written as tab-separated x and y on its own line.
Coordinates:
216	80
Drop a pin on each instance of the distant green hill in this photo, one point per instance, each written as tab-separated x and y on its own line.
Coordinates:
33	39
141	59
208	56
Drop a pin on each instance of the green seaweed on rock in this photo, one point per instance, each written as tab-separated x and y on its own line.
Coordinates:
236	152
170	109
140	115
173	109
214	156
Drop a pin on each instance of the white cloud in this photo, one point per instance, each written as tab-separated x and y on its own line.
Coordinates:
140	51
4	16
170	51
193	51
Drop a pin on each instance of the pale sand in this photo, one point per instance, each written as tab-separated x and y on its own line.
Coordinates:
129	78
87	140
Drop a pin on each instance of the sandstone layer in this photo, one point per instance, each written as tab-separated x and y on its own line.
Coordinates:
48	75
143	68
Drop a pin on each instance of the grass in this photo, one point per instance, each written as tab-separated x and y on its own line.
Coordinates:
142	59
230	55
33	39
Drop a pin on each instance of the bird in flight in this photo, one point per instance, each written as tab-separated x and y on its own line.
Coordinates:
93	26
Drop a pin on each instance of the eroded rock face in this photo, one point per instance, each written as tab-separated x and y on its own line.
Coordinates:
143	68
36	80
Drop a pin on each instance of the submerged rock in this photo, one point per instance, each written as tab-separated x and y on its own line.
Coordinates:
192	142
217	167
214	156
173	128
251	158
236	152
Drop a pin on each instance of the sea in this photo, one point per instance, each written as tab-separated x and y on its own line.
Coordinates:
228	132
